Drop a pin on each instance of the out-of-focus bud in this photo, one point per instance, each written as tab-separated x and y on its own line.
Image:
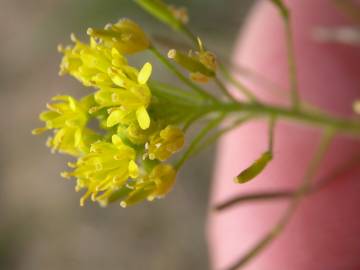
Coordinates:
165	143
201	65
126	36
180	13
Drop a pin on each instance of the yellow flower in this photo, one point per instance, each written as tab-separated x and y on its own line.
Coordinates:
105	169
68	118
122	104
132	100
126	36
120	85
165	143
155	185
91	63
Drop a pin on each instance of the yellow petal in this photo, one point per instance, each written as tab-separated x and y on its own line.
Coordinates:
145	73
143	118
78	137
116	140
133	169
114	118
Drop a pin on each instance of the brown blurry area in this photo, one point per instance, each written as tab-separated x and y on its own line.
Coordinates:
42	225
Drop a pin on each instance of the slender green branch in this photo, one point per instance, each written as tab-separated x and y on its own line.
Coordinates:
285	14
292	65
256	196
192	120
214	137
318	119
272	123
239	86
224	89
212	124
183	78
189	34
299	194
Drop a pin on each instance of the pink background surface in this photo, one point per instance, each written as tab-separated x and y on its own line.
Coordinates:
325	231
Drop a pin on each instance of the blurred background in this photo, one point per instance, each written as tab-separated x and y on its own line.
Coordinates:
42	225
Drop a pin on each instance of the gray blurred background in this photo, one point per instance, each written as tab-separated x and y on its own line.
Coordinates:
42	225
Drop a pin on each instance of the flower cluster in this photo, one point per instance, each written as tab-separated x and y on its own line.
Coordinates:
121	159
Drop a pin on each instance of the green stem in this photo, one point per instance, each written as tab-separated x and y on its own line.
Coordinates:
259	196
239	86
300	193
192	120
194	143
184	79
295	99
343	125
223	89
272	123
214	137
285	15
189	34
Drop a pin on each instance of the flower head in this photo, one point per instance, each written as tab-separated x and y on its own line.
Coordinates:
124	161
165	143
131	97
154	185
89	63
68	118
125	36
121	88
104	169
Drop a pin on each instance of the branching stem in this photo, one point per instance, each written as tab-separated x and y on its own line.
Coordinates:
239	86
321	120
198	138
285	15
224	89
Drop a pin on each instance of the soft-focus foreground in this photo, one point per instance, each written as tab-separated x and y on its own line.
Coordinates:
323	233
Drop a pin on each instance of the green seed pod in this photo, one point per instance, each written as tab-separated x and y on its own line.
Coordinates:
255	169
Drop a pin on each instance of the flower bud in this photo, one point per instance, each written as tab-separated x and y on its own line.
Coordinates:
165	143
126	36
